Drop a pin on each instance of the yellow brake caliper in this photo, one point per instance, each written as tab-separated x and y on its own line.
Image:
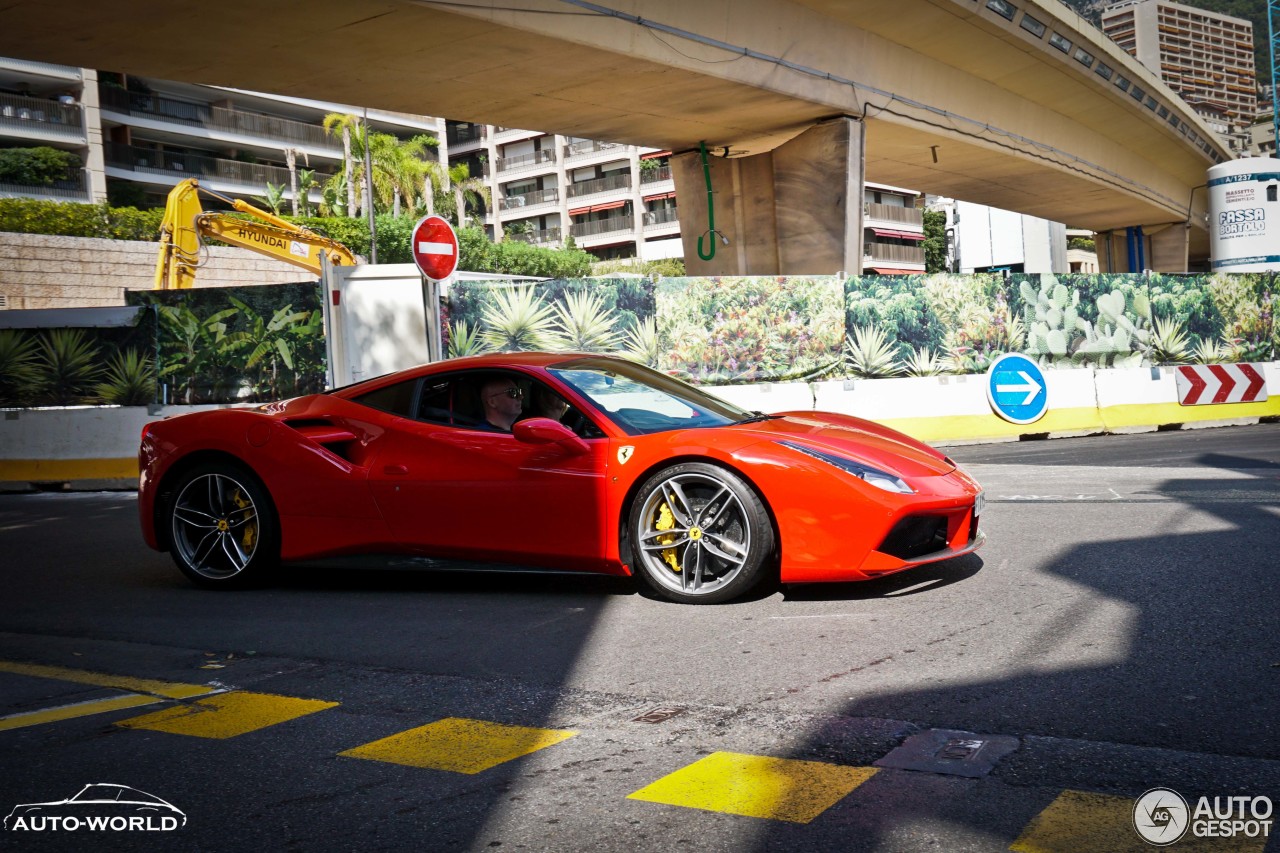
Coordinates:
666	521
250	529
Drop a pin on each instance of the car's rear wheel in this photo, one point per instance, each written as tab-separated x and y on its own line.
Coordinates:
223	529
700	534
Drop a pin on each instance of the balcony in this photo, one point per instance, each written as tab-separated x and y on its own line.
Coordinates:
507	164
586	147
461	134
598	227
216	119
513	202
892	213
536	238
41	118
176	166
655	176
599	185
75	189
665	216
886	253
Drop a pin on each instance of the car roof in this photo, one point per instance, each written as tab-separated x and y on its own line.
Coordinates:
491	361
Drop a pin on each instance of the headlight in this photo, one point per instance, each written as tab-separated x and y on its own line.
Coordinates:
874	476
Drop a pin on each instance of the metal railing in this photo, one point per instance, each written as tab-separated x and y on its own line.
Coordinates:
528	199
893	254
587	146
76	188
504	164
599	185
661	216
602	226
537	238
216	118
653	176
49	116
892	213
151	161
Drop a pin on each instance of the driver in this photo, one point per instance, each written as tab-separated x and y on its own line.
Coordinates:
502	400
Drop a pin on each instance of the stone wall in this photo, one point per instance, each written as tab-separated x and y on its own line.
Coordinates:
38	271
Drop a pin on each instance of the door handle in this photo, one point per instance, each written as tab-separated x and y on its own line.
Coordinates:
395	470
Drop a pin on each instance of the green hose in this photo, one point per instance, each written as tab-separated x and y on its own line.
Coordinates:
711	209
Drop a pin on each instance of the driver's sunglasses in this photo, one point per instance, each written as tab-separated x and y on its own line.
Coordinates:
513	393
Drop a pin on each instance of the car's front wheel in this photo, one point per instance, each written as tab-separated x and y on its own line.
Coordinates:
223	529
700	534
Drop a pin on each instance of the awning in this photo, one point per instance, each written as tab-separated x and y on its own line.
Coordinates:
659	196
607	205
895	271
901	235
654	154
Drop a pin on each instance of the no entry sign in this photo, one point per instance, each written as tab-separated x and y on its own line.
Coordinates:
435	248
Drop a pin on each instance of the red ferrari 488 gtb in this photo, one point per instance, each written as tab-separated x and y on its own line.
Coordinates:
594	464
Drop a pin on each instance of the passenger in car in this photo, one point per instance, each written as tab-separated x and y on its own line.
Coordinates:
503	401
548	404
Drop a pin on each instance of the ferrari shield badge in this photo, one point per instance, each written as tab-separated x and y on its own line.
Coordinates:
624	454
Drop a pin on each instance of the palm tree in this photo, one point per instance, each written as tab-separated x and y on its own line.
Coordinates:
342	124
291	160
402	170
467	189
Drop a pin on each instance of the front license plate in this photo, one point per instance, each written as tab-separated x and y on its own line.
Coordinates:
979	503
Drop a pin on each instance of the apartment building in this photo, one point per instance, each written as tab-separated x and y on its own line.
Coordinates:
614	200
893	231
1206	57
136	138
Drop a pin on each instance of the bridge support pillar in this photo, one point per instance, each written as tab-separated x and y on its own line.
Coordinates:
1161	248
796	210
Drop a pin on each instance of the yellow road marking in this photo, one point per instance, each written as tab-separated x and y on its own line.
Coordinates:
1080	822
757	786
167	689
459	745
70	712
227	714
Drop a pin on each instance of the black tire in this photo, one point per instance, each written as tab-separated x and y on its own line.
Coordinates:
223	530
700	534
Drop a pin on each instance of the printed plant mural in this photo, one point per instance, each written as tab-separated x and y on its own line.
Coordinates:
75	367
725	330
568	315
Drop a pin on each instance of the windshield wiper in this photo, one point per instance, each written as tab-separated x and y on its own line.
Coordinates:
755	418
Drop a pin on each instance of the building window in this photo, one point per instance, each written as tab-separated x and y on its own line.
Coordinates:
1122	83
1003	8
1032	26
1138	93
1103	70
1163	112
1060	43
1084	57
1151	102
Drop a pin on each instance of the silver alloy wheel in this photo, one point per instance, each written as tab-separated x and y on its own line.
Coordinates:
215	526
694	535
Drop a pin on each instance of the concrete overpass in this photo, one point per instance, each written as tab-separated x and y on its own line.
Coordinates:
1019	104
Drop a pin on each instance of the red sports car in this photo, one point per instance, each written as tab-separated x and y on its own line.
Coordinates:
581	462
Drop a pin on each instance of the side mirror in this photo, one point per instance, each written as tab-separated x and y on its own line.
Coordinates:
547	431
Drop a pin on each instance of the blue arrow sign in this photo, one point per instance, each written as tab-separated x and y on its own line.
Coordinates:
1016	389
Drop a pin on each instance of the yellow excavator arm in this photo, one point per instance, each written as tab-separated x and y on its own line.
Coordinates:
186	224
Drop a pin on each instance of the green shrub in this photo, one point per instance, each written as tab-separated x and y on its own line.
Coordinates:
41	166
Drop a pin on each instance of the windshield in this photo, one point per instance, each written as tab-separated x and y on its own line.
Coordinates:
641	400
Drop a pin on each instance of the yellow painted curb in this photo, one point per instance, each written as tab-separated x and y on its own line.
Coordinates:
58	470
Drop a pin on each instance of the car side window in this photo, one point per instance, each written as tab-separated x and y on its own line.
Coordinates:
394	399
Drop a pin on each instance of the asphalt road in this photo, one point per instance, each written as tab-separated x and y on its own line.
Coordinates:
1118	633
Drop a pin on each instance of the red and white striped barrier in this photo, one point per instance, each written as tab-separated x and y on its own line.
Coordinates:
1220	383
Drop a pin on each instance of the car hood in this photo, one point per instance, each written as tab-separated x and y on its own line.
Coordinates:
858	439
